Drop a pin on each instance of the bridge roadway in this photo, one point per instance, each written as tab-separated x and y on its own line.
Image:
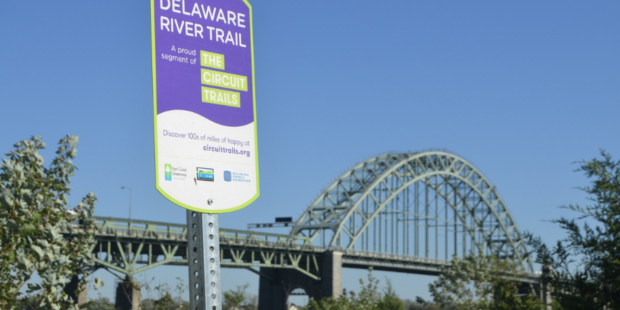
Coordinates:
151	244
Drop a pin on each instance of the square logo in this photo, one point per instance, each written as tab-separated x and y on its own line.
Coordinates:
204	174
227	176
168	172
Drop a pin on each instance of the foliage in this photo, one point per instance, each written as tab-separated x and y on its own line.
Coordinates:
481	282
343	302
234	299
33	208
240	299
390	300
165	300
369	298
421	304
101	303
586	265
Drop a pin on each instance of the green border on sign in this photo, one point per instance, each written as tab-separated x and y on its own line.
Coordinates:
155	120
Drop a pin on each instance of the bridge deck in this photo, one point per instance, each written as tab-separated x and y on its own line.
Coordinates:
151	244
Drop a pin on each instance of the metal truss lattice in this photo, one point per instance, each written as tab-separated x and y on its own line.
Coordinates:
129	247
430	205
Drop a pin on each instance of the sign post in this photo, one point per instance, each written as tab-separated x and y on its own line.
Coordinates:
206	157
203	260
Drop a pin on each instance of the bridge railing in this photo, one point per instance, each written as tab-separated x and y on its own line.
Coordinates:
243	237
120	227
393	257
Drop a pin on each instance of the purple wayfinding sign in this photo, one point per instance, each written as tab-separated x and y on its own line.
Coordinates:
204	103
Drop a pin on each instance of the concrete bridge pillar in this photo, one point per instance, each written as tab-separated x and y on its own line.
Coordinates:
128	295
331	274
545	287
70	289
277	284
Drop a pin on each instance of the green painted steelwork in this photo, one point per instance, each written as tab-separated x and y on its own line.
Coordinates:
398	212
131	247
430	205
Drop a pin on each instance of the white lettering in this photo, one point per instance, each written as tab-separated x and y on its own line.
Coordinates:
210	32
208	13
220	15
179	27
229	38
183	9
175	4
165	23
204	77
240	20
188	29
231	17
219	35
240	43
161	4
196	10
198	30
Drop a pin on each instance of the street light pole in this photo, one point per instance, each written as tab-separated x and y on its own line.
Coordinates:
129	224
130	198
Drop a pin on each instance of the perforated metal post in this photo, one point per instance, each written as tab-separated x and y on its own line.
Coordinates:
203	247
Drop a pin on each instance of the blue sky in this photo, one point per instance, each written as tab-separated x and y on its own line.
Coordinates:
521	89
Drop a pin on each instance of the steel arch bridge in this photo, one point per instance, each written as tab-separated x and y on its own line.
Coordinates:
406	212
428	205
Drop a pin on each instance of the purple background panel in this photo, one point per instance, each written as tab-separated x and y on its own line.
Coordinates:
179	84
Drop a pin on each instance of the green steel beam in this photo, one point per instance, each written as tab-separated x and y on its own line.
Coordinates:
132	248
368	202
376	214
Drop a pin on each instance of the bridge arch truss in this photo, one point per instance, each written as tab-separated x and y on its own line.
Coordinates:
429	205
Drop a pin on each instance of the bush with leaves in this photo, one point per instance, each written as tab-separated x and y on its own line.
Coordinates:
586	265
239	299
421	304
33	208
165	300
101	303
234	299
481	282
390	300
369	298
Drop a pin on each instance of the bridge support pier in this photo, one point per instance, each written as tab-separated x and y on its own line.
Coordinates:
276	284
70	289
128	295
545	287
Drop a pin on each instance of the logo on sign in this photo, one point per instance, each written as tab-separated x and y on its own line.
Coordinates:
204	174
168	172
227	176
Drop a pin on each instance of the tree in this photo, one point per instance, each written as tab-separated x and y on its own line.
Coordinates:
240	299
369	298
586	265
390	300
101	303
234	299
481	282
165	300
33	208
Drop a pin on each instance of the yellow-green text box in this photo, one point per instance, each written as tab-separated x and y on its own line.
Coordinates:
222	97
212	60
225	80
